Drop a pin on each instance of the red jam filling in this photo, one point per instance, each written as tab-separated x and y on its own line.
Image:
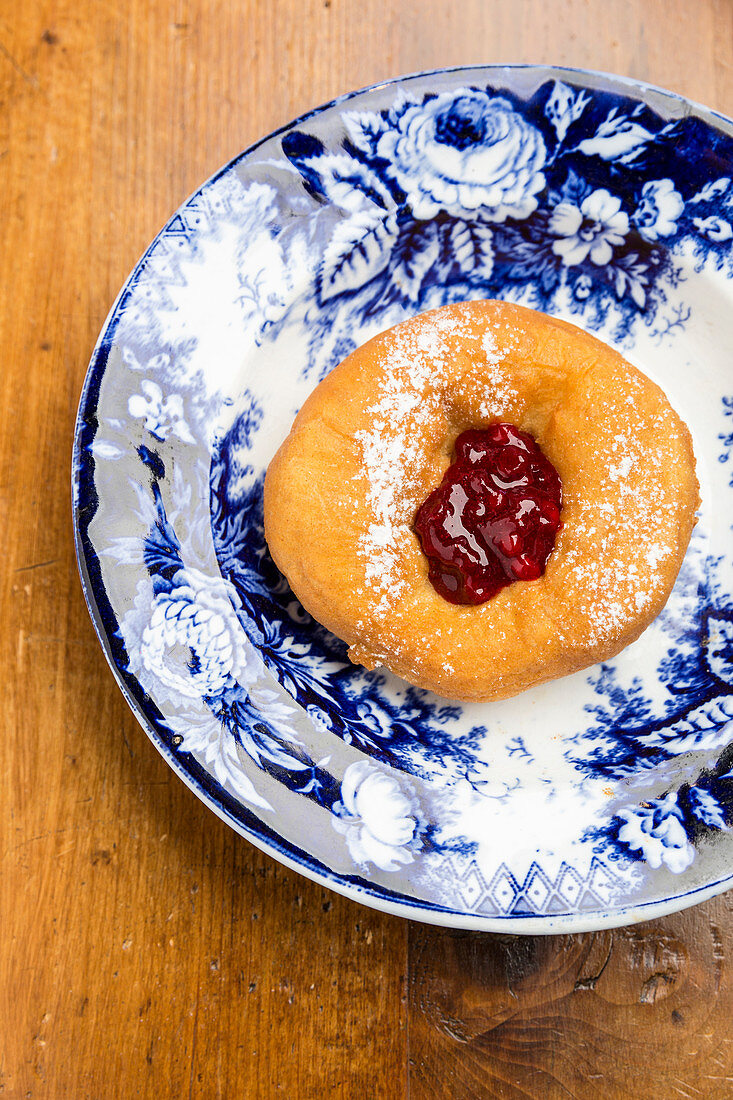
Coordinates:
494	517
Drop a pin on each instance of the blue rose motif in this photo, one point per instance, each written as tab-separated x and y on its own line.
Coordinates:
377	816
462	151
659	208
655	830
193	641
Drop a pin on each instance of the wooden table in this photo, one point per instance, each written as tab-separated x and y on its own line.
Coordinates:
145	949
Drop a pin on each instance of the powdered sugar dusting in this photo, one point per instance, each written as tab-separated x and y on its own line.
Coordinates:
621	470
409	397
499	392
493	356
631	511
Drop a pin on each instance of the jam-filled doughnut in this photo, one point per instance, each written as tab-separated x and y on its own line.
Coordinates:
481	499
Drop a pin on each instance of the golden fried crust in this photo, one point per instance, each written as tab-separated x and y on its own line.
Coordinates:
375	438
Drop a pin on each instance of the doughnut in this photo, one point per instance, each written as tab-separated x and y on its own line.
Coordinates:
373	460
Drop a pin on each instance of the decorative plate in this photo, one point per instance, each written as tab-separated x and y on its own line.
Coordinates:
593	801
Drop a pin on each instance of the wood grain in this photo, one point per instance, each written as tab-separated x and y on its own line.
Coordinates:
145	950
643	1010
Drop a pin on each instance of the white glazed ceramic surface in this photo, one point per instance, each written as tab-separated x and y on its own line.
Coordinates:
597	800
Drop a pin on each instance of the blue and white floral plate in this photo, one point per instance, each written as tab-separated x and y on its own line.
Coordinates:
594	801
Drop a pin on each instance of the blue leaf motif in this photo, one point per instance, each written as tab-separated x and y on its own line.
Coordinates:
418	252
630	276
106	452
712	190
162	550
472	247
359	250
365	130
574	189
126	549
348	183
528	258
706	808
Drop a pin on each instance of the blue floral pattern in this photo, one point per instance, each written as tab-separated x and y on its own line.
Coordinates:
460	152
465	190
579	196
